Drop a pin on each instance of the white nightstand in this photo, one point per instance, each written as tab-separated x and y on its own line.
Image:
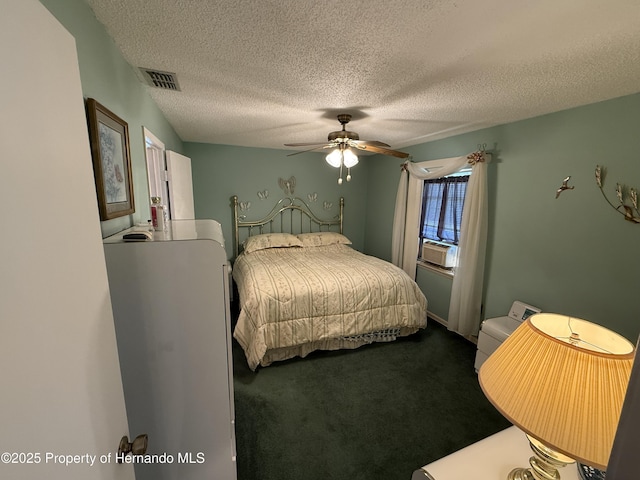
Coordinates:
489	459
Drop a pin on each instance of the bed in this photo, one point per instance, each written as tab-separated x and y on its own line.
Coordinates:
302	287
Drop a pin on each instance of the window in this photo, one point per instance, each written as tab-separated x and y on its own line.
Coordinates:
442	204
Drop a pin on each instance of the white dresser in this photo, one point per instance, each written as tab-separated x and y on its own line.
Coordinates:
170	298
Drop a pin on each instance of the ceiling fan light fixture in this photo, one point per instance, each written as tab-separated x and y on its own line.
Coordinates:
350	158
334	158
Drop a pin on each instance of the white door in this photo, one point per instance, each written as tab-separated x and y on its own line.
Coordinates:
180	186
62	410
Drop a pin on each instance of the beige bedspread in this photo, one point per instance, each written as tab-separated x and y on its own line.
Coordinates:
296	300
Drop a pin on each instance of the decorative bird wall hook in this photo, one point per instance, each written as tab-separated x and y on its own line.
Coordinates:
564	186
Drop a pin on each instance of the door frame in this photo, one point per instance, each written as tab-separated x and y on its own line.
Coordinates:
156	162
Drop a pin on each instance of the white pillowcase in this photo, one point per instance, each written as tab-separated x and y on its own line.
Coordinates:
271	240
319	239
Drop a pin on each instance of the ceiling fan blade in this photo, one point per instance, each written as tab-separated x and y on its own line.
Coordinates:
382	150
304	144
322	145
374	143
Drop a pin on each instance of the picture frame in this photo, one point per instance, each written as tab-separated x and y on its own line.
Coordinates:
110	150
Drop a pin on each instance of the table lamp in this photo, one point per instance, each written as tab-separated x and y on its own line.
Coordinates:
561	380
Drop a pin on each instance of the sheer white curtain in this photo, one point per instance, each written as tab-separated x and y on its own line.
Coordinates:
466	291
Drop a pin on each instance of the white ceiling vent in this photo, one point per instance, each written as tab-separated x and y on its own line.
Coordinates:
159	79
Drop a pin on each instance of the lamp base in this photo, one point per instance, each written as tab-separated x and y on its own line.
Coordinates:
520	474
544	465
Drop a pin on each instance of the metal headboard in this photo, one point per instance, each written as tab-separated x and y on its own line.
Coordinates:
290	215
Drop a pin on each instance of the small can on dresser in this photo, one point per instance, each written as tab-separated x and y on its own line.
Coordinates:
158	214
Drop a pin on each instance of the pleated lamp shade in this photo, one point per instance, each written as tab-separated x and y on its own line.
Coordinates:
562	380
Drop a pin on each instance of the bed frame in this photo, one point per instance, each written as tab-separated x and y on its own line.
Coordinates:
289	215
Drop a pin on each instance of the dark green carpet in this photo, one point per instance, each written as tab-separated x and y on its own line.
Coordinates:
378	412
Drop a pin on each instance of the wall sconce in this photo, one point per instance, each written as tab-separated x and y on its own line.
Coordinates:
625	195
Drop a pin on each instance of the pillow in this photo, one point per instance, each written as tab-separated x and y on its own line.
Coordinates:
319	239
271	240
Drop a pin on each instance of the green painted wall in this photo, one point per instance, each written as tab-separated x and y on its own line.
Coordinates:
221	171
107	77
438	287
572	255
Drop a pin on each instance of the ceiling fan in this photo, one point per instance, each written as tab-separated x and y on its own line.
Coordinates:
343	142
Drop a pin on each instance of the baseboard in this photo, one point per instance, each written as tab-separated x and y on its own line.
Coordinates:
472	338
438	319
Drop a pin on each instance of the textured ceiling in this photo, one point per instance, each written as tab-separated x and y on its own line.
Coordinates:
262	73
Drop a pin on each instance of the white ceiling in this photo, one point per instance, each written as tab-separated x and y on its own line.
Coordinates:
262	73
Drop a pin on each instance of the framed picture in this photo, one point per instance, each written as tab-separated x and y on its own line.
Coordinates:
109	138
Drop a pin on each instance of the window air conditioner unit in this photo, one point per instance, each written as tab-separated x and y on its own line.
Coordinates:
440	254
